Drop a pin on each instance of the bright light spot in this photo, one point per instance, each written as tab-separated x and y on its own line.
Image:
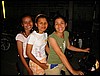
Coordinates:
3	9
97	64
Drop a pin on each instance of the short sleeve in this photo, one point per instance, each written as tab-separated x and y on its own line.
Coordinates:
31	39
19	37
46	35
66	33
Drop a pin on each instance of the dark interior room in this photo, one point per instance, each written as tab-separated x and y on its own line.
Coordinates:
83	23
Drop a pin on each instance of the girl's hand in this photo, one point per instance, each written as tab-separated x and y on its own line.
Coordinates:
44	66
86	50
77	72
30	72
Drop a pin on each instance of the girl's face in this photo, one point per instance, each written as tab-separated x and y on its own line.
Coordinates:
27	23
60	25
42	24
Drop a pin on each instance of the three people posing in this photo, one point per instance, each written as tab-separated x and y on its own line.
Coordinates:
37	47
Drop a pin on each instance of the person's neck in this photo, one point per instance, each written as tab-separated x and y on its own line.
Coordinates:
26	33
40	32
61	35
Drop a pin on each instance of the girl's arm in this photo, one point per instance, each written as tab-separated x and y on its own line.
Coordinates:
47	49
31	56
20	52
63	58
70	47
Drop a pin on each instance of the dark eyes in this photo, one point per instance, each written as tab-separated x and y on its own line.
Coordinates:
59	23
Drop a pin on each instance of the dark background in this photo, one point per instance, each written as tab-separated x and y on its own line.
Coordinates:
83	16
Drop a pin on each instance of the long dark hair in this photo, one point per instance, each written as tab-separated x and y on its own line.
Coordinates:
21	29
58	16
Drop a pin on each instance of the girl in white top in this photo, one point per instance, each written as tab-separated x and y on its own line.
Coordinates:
21	40
36	46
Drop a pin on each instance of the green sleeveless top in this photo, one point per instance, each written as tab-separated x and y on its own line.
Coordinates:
62	42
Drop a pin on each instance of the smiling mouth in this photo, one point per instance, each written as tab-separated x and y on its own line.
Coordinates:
60	29
29	27
43	28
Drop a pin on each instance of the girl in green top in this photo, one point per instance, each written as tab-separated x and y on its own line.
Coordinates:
58	41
